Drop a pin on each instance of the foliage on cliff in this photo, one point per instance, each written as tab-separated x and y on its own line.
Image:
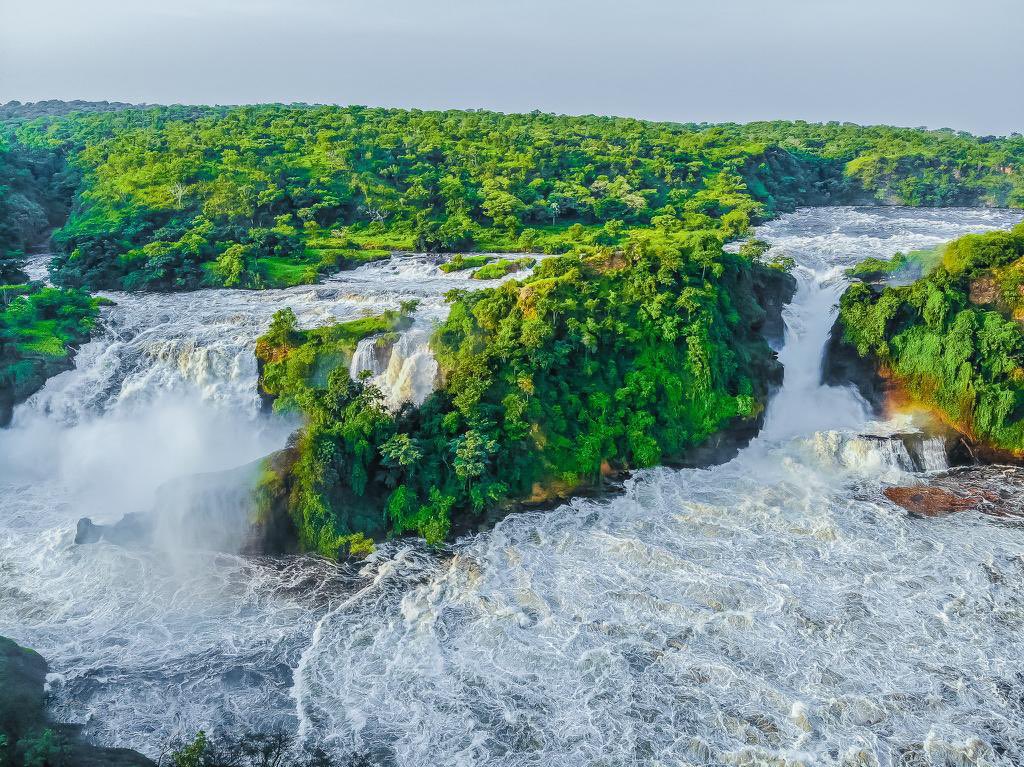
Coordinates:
308	371
39	328
953	339
613	358
177	197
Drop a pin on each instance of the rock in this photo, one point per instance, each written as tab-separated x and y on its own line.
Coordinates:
39	370
218	511
843	366
133	529
924	501
774	289
87	531
984	290
23	718
996	491
22	676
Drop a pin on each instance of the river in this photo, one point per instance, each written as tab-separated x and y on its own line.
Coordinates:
774	610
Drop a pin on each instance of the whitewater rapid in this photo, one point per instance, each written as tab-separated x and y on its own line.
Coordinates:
775	610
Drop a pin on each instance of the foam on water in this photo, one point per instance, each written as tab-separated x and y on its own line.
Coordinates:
774	610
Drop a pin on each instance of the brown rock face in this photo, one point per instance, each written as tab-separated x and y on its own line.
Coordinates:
927	501
984	291
997	491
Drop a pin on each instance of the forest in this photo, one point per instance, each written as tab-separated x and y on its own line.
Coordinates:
166	198
641	339
951	339
38	325
613	359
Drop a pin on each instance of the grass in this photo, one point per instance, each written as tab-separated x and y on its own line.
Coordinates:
460	263
280	272
498	269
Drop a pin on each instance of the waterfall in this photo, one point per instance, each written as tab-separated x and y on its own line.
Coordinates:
771	610
367	357
933	454
405	370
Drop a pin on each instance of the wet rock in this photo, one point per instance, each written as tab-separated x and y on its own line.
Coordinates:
88	532
22	674
134	529
23	718
15	391
927	501
843	366
997	491
218	511
774	289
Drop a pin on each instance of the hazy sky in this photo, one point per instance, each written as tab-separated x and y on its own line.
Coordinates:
939	63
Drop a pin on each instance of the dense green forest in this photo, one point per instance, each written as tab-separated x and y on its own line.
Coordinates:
951	339
638	342
180	197
38	325
613	358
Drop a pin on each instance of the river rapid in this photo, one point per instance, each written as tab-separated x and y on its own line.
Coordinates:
775	610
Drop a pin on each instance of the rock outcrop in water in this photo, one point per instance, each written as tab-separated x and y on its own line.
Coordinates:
843	366
627	358
217	511
997	491
27	736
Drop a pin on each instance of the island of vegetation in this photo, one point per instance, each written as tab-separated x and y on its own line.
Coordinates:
943	328
613	359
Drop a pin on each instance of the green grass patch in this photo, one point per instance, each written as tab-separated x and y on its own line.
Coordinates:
280	272
460	263
498	269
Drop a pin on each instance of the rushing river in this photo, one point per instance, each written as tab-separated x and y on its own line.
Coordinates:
775	610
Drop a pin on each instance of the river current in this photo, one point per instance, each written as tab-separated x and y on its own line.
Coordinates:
775	610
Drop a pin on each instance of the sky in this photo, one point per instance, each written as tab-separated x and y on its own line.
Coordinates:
934	63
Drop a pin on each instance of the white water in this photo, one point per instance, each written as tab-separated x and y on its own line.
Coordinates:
774	610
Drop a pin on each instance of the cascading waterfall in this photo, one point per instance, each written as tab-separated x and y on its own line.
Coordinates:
933	454
404	371
774	610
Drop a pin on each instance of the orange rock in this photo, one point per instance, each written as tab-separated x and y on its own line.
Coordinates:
927	501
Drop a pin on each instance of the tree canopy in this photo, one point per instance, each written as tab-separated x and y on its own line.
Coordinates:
178	197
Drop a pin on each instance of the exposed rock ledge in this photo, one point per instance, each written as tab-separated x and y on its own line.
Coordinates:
996	491
217	511
23	719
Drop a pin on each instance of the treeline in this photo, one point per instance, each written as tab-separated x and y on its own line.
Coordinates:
613	358
952	340
35	195
178	197
39	326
